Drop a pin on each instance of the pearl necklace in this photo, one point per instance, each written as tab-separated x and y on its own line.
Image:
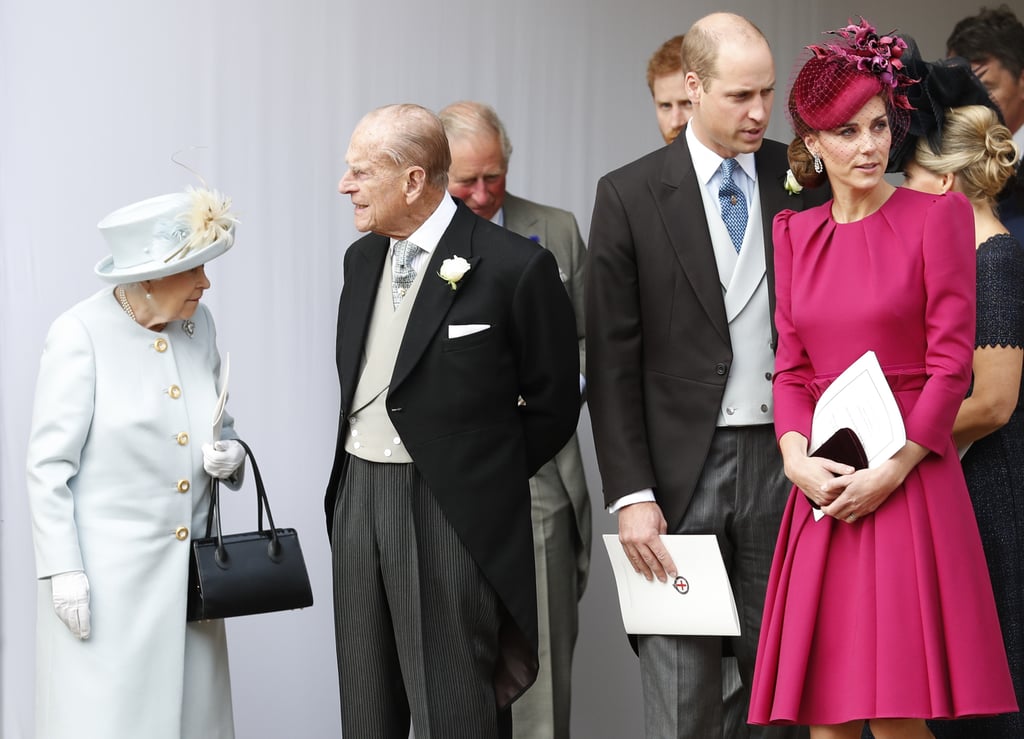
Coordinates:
123	300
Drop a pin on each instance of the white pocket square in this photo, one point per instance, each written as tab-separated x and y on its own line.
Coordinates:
457	330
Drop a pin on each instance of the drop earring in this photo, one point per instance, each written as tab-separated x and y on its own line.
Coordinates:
818	166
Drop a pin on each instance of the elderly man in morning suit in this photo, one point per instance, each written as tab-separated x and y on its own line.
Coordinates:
459	379
561	505
680	344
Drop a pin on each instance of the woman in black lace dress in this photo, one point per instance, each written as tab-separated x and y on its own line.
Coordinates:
976	157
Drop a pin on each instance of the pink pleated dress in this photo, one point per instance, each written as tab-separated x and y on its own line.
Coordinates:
891	616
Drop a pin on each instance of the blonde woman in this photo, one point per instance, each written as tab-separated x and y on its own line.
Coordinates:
976	157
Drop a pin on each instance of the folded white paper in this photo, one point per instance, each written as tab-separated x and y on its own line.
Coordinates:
698	603
860	399
218	409
456	330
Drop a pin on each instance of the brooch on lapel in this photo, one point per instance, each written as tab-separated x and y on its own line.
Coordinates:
453	270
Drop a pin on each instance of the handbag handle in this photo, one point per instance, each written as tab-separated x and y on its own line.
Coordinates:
273	546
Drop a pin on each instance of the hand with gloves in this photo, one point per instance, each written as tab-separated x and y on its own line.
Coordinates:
222	458
71	601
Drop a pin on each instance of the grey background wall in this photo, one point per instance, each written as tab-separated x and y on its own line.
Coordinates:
95	98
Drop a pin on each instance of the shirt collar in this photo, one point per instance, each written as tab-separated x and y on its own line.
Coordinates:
707	163
427	236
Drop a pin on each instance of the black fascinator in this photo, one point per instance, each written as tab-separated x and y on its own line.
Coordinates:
943	84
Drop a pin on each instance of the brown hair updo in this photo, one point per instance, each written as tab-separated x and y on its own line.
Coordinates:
802	164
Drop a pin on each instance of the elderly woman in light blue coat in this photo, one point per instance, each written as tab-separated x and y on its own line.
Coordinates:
119	467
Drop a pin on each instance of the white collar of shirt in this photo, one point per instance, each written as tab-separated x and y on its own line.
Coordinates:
429	234
1019	140
708	167
498	219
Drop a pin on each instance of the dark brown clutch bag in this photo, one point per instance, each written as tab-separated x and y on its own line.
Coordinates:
844	447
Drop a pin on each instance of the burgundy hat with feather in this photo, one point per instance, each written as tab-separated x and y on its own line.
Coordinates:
841	76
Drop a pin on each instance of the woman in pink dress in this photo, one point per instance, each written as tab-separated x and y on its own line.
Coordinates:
882	611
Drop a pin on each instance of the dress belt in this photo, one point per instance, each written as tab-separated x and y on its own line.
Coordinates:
900	379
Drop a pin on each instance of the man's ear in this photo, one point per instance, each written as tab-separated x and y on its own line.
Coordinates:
694	88
414	182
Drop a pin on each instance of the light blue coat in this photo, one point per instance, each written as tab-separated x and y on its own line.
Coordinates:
117	488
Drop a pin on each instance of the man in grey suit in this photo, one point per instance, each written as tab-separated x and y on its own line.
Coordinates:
679	313
560	503
458	381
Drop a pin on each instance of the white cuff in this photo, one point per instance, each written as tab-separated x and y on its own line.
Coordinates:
641	496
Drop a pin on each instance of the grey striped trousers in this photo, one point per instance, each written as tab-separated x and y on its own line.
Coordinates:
416	623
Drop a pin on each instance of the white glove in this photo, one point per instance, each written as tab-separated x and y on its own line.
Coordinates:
71	601
222	458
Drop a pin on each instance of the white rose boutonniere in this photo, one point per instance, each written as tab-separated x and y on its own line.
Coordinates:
792	186
453	269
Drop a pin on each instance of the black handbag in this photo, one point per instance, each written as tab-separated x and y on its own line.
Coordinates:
242	574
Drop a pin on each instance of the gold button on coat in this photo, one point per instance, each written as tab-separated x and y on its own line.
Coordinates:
182	438
181	532
174	391
160	345
183	486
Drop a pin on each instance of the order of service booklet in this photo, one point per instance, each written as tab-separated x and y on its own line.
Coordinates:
860	400
699	602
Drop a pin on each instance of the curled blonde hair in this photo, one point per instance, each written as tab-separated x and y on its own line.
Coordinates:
977	148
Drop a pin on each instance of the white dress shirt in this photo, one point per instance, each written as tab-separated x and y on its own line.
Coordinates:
427	236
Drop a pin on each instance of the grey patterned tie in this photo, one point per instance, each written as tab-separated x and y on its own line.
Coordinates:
734	205
402	273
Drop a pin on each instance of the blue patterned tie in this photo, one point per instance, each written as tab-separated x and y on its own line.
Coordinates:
402	273
734	205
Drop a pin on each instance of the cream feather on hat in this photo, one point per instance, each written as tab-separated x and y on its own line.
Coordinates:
166	235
